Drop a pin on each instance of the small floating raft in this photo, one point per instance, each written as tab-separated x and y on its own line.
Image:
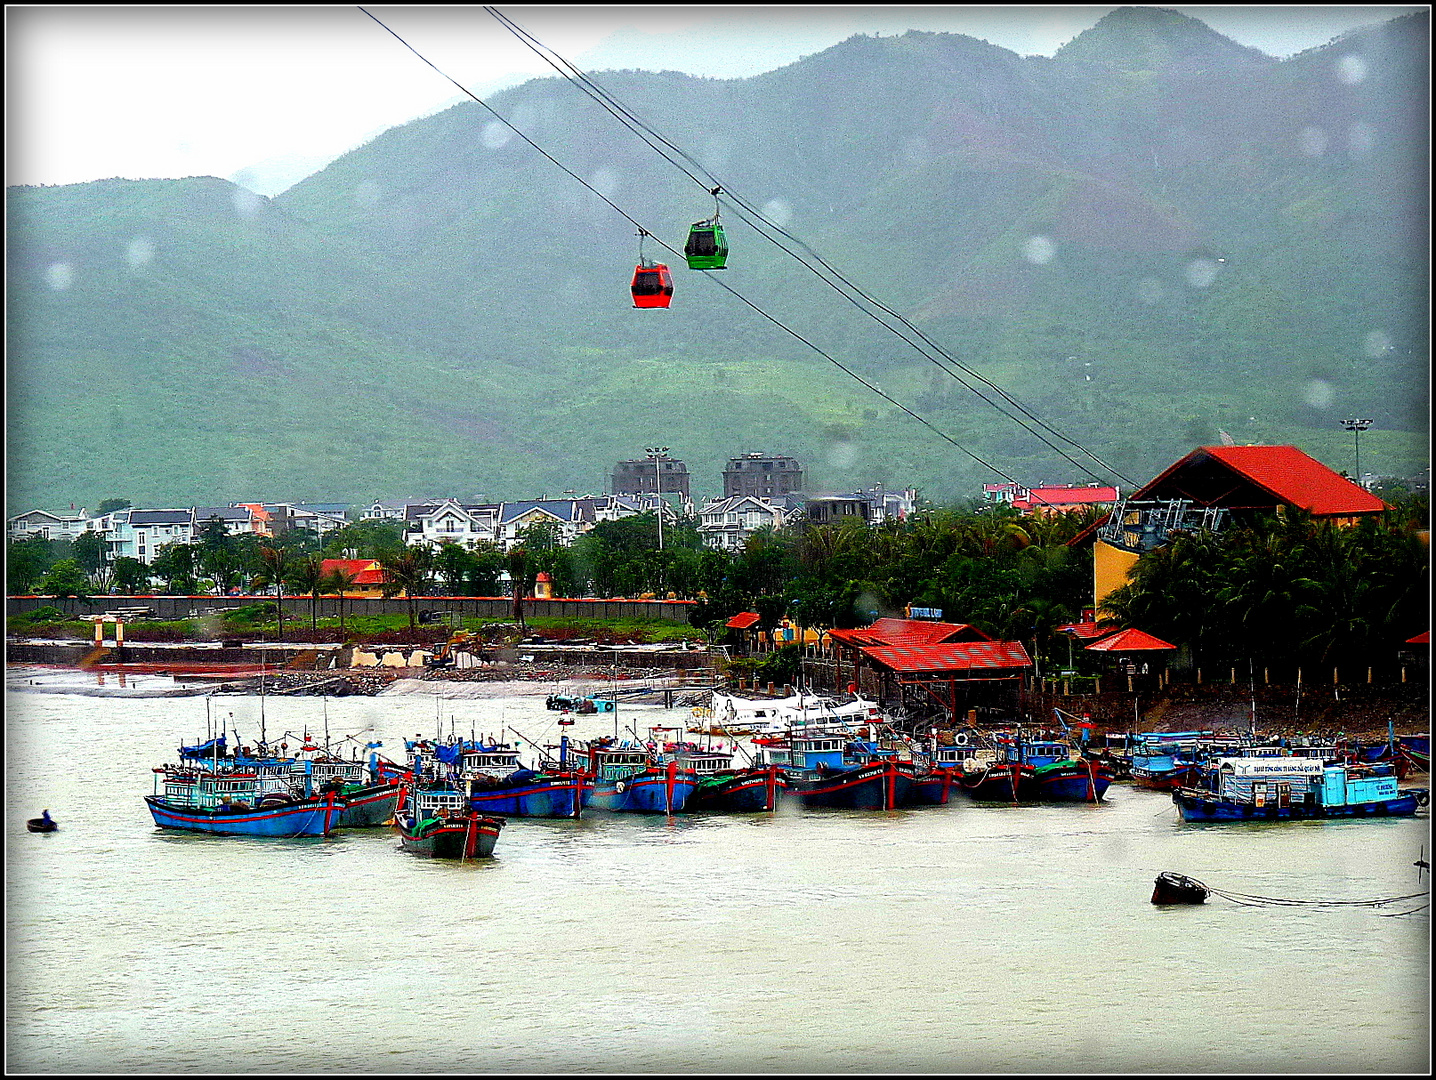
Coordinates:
36	824
1173	888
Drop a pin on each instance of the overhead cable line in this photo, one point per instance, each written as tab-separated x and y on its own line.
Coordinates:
745	211
634	221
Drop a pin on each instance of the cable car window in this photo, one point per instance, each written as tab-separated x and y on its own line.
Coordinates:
647	284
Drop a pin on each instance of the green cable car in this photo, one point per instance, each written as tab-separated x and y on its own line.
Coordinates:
707	247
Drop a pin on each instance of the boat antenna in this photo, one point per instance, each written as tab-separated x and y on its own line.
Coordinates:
326	725
263	663
1251	680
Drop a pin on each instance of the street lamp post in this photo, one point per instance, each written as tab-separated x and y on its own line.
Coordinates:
657	453
1356	427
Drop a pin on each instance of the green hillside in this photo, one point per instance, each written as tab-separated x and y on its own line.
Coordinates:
1155	236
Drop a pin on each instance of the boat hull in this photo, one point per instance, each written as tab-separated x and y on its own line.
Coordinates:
746	791
1072	781
309	817
472	836
932	788
1205	806
370	806
880	786
541	797
1171	888
656	791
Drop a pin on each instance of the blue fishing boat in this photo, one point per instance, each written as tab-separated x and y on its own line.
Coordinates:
1284	787
237	804
501	784
1027	770
723	788
441	824
498	781
628	778
823	772
1161	761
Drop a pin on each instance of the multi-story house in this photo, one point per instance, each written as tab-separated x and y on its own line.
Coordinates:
756	473
452	522
566	514
726	524
49	525
139	534
657	472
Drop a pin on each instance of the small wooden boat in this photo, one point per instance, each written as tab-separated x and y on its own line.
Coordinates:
442	825
44	823
1173	888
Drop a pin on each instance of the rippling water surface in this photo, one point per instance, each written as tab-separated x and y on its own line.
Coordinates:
949	939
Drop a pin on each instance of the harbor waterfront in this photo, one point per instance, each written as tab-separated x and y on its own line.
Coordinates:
969	937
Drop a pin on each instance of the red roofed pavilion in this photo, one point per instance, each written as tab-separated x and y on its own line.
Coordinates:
1210	488
1132	640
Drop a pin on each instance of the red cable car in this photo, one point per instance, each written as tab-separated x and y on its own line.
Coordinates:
652	285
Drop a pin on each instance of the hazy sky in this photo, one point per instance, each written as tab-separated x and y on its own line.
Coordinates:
267	95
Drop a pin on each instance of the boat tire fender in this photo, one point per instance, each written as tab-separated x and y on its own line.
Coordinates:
1423	796
620	787
960	739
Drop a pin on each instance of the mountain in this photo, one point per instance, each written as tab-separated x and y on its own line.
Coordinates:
1151	236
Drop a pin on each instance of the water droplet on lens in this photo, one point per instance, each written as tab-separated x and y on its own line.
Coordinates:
1377	343
140	252
778	211
59	276
1039	250
1150	290
246	203
366	194
605	182
1319	394
1351	69
496	134
1201	272
1312	141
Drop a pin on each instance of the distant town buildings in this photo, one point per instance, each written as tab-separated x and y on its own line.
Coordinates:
755	473
656	473
873	506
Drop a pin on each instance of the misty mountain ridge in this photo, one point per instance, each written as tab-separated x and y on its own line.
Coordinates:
1155	235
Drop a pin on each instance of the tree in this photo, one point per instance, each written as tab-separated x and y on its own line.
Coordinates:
273	568
339	581
454	565
518	578
90	550
108	506
366	539
130	576
26	562
175	563
408	571
65	578
306	576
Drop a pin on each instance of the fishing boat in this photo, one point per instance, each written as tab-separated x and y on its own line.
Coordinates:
628	777
237	803
368	798
1282	787
1027	770
42	824
823	773
499	783
442	825
1161	761
721	786
1173	888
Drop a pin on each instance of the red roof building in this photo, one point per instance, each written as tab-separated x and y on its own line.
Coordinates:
1131	640
743	620
1210	487
368	575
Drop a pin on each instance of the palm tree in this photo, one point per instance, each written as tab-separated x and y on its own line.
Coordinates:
274	566
408	571
306	577
339	580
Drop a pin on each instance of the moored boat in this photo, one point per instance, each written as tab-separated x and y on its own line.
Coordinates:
822	775
442	825
237	804
629	778
1171	888
1283	787
1028	770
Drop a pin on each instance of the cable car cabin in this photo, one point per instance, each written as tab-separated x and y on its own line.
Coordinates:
652	285
707	247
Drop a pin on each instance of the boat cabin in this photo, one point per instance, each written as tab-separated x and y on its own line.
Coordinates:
437	804
694	759
619	763
1035	753
818	751
346	772
490	761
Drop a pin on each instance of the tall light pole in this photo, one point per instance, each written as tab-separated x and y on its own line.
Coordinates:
1356	427
658	453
